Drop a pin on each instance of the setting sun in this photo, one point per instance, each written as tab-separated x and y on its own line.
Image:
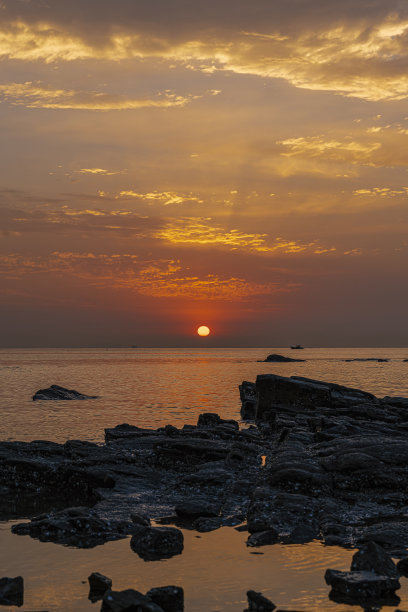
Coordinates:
203	330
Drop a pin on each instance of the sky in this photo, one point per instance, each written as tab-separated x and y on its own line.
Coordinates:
166	164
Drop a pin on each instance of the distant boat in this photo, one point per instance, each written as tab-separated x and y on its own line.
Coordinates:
297	346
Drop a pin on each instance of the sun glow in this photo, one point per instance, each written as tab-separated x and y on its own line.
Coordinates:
203	330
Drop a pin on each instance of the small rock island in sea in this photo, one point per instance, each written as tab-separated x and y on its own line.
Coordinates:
319	461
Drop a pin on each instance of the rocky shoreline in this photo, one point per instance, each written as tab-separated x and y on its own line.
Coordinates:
318	461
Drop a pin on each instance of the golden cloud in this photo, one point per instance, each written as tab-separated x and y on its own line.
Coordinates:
346	150
198	232
160	278
350	60
163	197
36	95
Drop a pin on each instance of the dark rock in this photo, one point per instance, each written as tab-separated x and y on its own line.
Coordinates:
361	585
140	519
174	453
280	359
262	538
79	527
302	534
152	543
169	598
211	419
196	508
98	585
402	566
258	603
11	591
203	524
247	392
55	392
128	601
373	558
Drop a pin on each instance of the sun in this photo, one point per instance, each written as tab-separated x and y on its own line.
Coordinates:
203	330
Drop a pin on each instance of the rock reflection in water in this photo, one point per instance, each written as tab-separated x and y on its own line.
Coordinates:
215	570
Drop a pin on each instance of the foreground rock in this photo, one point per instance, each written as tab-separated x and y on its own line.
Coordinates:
153	543
55	392
98	585
169	598
160	599
363	586
11	591
258	603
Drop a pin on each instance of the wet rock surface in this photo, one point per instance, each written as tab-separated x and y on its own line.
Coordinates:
55	392
79	527
319	461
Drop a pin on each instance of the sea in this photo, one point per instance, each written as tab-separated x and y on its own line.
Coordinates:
152	388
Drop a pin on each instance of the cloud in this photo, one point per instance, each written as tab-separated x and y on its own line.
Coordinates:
157	278
346	150
199	232
163	197
99	171
37	95
352	50
382	192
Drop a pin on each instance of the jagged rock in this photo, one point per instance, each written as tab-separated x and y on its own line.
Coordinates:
11	591
281	359
196	508
169	598
361	585
247	392
258	603
304	393
55	392
98	585
152	543
211	419
373	558
128	601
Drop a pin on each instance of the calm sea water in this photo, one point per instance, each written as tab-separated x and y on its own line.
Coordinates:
153	387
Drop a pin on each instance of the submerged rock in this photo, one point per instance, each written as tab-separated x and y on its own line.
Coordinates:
55	392
12	591
152	543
